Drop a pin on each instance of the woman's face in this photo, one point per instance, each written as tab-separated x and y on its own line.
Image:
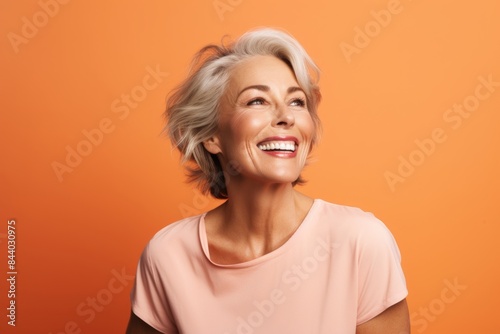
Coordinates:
265	128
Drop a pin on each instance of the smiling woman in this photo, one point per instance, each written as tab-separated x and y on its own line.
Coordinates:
195	108
267	129
269	259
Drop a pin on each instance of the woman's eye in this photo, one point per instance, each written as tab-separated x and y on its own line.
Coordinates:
298	102
257	101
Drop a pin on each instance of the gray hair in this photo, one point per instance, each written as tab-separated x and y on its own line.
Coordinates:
192	107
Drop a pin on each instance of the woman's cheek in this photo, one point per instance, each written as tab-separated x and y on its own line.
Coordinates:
306	126
248	124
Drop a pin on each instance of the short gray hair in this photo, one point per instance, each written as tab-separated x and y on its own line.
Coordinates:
192	107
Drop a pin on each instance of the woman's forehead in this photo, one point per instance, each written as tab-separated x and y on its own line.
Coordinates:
261	71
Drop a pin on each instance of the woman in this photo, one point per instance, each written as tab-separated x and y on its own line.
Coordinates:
269	259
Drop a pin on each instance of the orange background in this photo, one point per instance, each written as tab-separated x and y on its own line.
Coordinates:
76	235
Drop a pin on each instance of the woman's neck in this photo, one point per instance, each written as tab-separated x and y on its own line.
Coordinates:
257	219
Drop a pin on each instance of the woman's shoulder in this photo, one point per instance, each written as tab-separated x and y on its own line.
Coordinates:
355	231
351	221
343	212
181	233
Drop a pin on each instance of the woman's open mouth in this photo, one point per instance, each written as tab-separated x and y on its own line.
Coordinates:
281	146
278	146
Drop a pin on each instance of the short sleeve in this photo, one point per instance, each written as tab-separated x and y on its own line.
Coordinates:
381	282
148	297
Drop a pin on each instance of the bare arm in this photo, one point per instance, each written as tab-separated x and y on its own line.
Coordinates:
137	326
394	320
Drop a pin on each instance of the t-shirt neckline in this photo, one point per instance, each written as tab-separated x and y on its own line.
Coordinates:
266	257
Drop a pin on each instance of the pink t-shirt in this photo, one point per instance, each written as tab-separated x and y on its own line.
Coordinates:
339	269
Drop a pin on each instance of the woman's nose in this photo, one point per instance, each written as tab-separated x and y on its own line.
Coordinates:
283	117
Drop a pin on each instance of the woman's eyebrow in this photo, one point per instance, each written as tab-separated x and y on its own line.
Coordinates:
265	88
295	89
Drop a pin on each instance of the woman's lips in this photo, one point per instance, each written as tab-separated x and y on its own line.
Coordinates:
279	146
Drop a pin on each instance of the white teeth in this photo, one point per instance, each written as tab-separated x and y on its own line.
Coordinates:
281	146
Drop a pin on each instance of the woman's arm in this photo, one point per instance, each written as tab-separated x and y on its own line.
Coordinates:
394	320
137	326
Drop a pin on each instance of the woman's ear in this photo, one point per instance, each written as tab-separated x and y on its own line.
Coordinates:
212	145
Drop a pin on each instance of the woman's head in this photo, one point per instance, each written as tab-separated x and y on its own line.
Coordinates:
194	109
